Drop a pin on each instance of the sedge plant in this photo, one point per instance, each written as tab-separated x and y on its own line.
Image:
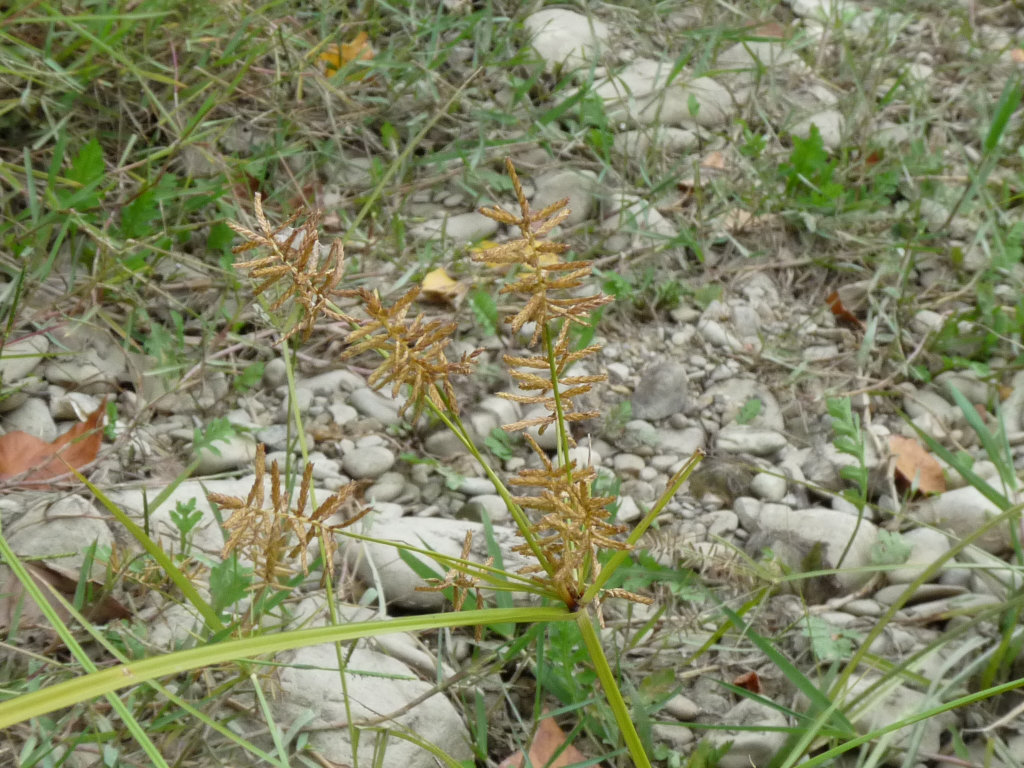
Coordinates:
572	546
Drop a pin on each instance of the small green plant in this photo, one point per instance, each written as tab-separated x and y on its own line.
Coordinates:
185	517
849	439
809	173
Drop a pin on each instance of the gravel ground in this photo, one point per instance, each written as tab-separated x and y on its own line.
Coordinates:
725	344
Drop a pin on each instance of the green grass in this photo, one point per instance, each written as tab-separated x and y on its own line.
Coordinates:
131	133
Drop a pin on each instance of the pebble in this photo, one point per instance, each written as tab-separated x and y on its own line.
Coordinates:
795	533
926	546
376	406
388	487
32	417
661	392
963	511
476	486
59	533
368	462
753	746
769	487
579	187
21	357
566	39
628	510
308	682
830	124
743	438
628	464
224	455
460	228
491	504
444	445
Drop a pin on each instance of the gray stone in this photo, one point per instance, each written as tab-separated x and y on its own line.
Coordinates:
75	406
628	465
743	438
639	437
682	708
92	361
491	504
888	701
566	39
60	532
661	392
769	486
549	439
926	546
376	684
736	392
441	535
32	417
376	406
331	383
752	54
342	413
444	444
750	747
368	462
460	229
584	456
628	510
636	142
476	486
275	373
964	511
795	534
222	455
830	123
578	186
681	442
389	486
20	357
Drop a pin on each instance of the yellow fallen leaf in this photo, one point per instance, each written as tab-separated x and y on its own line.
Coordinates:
337	56
439	287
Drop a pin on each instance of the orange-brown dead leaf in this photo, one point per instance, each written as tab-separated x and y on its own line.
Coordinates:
439	288
16	607
915	467
748	680
337	56
843	315
713	161
37	460
1017	55
548	740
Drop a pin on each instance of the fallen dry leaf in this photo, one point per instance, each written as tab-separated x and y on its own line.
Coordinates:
337	56
915	467
843	315
713	161
36	460
439	288
16	606
546	742
748	680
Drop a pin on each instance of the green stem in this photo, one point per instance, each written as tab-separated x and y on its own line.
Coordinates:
585	622
617	559
452	421
86	687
